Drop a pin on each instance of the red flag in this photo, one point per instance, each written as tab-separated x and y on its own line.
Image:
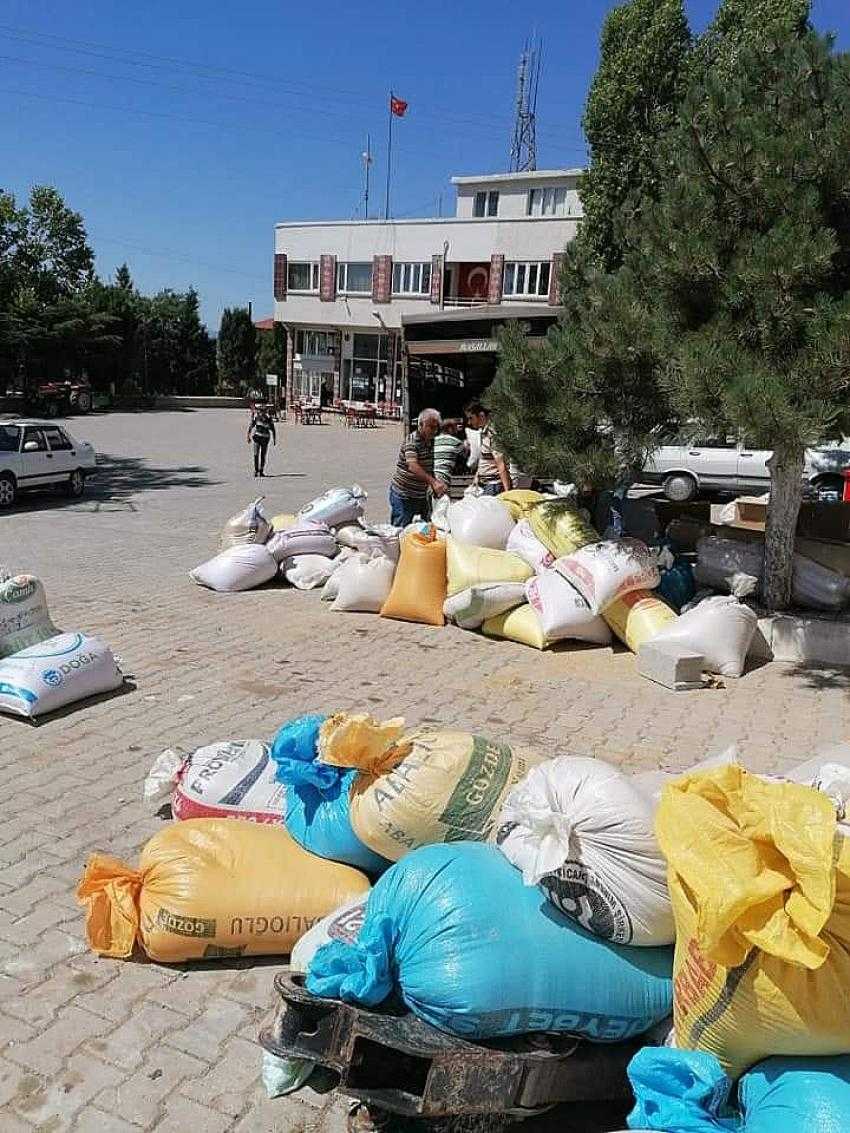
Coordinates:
398	106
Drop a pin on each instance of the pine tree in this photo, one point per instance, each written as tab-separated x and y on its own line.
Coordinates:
742	25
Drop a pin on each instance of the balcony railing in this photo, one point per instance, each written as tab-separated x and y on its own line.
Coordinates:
460	301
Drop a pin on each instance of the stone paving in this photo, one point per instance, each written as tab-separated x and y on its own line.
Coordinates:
94	1044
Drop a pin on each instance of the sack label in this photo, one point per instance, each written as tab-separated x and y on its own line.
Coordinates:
197	927
582	895
469	811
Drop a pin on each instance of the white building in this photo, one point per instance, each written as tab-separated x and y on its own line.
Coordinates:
342	288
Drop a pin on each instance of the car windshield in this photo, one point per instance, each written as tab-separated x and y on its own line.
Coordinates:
10	437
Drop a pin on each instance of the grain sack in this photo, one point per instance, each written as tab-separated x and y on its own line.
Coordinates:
760	886
521	624
796	1095
336	506
562	611
238	568
584	833
303	538
371	539
306	572
248	526
24	617
331	587
638	617
560	528
519	500
481	521
468	566
210	888
282	521
364	584
419	586
603	572
720	628
55	673
523	542
470	608
720	562
222	780
454	932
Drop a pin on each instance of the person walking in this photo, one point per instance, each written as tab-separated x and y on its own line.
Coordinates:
414	472
261	430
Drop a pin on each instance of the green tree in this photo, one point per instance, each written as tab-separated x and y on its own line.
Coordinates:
742	25
236	349
271	353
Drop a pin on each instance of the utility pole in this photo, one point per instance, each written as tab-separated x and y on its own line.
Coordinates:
366	157
523	155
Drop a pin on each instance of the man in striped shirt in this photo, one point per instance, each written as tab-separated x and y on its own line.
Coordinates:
414	472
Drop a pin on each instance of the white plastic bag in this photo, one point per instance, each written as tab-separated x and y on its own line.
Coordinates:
381	538
24	617
473	439
364	584
720	561
603	572
472	607
306	572
563	612
55	673
303	538
523	542
237	568
248	526
482	521
336	506
720	628
440	514
584	832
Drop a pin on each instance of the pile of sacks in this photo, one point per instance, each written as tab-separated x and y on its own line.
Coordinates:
43	669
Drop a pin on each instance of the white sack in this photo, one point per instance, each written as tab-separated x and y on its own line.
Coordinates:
381	538
364	584
720	628
336	506
440	514
55	673
331	587
563	612
306	572
813	586
248	526
481	521
472	607
585	833
24	617
303	538
603	572
473	439
237	568
523	542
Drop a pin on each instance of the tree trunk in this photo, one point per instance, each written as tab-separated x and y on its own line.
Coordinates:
786	494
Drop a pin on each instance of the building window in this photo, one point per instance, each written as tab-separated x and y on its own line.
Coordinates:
527	280
367	379
354	279
302	277
486	204
412	279
315	343
547	202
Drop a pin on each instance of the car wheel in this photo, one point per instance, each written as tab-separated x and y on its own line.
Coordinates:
680	488
8	490
84	402
76	484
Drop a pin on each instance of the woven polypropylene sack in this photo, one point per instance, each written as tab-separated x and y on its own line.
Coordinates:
303	538
720	628
519	500
638	617
419	586
560	528
24	617
364	584
521	624
248	526
237	568
796	1095
55	673
472	607
523	542
603	572
563	612
468	566
481	521
378	538
336	506
306	572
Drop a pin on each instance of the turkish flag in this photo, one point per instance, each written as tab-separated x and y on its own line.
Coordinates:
398	106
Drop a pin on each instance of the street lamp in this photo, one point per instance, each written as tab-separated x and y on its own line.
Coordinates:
377	315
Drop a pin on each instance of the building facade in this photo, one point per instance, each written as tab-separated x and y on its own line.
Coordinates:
342	288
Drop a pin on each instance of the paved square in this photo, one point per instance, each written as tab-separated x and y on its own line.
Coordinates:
98	1044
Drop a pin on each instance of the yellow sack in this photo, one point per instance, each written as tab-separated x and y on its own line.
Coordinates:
209	888
471	566
521	624
760	883
422	787
281	522
419	587
637	617
519	500
559	528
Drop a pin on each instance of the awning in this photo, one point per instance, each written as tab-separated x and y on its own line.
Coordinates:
453	346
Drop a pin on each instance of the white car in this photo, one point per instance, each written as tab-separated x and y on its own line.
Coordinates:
720	464
38	454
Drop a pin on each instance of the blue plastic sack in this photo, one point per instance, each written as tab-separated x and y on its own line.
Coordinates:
677	586
796	1095
474	951
317	797
680	1091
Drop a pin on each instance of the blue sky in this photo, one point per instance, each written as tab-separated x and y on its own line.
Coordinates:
183	130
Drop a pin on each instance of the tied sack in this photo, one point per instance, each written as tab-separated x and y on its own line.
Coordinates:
720	628
238	568
248	526
560	528
24	617
603	572
638	617
336	506
210	888
519	500
470	566
372	539
760	884
419	586
222	780
470	608
469	949
583	832
563	612
307	572
364	584
303	538
521	624
523	542
55	673
481	521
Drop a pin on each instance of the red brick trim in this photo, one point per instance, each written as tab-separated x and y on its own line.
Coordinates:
279	276
497	275
555	279
436	278
327	278
382	279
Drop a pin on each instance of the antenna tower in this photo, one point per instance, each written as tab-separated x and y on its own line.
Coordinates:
524	142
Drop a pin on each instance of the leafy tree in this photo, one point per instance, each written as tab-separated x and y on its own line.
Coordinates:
236	349
271	353
742	25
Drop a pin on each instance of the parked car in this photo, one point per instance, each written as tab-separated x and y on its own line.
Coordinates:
721	464
38	454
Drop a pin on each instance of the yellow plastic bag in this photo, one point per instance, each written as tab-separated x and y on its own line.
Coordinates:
519	500
471	566
209	888
760	883
424	786
521	624
419	586
559	528
637	617
281	522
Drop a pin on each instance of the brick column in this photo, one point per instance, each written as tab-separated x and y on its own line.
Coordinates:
436	278
382	279
555	279
327	278
497	275
279	276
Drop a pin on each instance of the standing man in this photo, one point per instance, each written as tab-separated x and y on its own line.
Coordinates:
449	451
414	473
260	431
493	474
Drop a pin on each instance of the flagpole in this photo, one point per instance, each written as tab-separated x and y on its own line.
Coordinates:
389	157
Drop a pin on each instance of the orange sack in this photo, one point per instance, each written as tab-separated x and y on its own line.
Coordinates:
419	587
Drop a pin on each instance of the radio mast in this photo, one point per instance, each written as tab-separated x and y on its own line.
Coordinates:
524	143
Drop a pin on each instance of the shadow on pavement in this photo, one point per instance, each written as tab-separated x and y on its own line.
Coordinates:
129	686
820	679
